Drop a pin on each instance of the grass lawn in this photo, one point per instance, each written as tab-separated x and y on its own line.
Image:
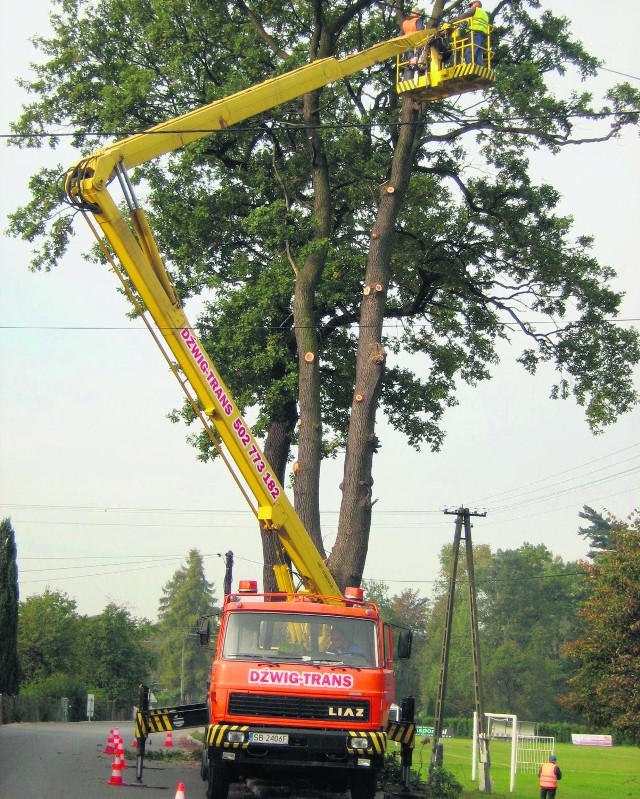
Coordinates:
588	772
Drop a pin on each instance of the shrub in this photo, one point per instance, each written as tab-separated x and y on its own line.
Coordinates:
442	785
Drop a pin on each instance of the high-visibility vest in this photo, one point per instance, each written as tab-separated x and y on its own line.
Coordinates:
548	777
479	21
411	25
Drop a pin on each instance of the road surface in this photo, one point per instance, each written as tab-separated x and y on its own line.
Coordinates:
67	761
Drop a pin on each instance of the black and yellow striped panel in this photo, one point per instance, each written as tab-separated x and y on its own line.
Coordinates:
216	734
453	80
403	732
141	727
164	719
158	721
377	742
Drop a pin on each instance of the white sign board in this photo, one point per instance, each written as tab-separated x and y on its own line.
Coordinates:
591	740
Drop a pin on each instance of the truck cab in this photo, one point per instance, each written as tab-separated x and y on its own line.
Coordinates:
300	685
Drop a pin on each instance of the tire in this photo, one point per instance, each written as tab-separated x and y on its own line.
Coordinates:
204	762
363	785
217	780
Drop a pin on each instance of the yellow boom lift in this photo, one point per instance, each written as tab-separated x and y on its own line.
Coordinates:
87	188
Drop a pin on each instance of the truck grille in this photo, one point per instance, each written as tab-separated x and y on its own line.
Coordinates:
298	707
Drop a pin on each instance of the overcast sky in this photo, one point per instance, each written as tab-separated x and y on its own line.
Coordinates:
107	498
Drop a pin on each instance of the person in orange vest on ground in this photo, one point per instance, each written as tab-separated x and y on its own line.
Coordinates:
549	775
412	24
478	32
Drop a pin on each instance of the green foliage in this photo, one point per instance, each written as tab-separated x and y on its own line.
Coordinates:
64	654
407	609
70	685
607	653
599	531
527	601
529	606
9	663
234	211
183	667
442	785
116	658
49	639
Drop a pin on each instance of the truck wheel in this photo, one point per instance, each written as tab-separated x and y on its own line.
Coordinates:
218	780
363	785
204	762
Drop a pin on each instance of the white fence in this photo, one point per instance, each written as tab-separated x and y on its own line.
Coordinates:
532	751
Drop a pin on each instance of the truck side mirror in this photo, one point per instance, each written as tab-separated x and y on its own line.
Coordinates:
204	631
403	649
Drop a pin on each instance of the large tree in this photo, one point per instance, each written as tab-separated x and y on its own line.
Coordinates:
48	636
604	688
9	600
406	609
290	218
529	617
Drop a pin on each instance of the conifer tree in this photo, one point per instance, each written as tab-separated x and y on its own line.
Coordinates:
9	663
188	595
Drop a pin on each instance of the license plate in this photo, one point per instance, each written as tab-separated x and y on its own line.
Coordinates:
279	739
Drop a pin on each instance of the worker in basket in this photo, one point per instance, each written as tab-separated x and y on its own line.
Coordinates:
475	44
413	23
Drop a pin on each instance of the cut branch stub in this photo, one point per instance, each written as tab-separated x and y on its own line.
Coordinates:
379	353
309	357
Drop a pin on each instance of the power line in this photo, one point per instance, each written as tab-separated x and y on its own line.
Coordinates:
118	135
126	570
568	490
483	500
390	323
615	72
229	511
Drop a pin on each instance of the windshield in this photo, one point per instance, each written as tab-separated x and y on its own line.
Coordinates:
300	638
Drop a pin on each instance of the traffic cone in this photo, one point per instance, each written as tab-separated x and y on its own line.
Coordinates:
110	748
180	791
134	745
169	740
116	773
120	754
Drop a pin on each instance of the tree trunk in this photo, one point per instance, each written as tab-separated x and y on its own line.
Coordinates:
307	475
350	551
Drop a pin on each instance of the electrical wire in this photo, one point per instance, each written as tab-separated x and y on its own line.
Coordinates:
485	120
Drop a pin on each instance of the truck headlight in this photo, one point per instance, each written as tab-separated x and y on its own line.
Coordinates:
359	743
235	736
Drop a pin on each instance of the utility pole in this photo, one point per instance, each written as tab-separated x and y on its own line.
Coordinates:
463	523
